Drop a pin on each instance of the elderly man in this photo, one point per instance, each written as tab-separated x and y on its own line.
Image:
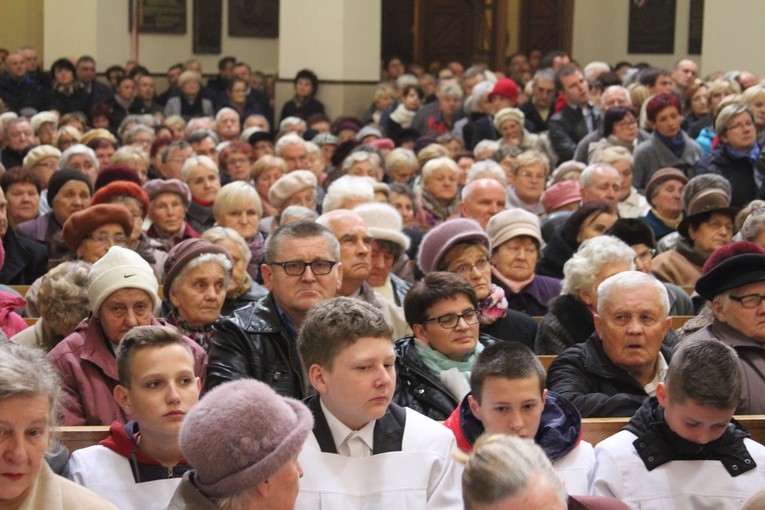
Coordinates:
173	158
541	106
18	90
601	182
228	126
619	365
579	117
302	267
19	139
482	199
355	240
291	148
735	284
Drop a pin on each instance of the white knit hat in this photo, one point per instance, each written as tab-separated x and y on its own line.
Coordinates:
120	268
384	222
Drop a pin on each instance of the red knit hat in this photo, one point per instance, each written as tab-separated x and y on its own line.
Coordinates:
120	189
505	87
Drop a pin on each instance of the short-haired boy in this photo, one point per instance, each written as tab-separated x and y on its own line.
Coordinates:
508	396
681	449
157	388
366	452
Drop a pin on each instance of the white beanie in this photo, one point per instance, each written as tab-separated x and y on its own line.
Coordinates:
120	268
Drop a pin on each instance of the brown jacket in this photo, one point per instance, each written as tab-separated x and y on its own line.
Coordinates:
670	266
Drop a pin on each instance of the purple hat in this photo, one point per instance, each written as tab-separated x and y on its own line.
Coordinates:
183	253
158	186
240	434
437	243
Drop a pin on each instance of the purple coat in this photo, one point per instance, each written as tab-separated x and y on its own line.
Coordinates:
88	370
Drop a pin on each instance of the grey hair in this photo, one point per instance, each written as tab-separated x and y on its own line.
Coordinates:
355	157
225	109
312	148
580	270
288	139
78	148
588	174
532	157
622	283
503	466
296	213
486	169
592	68
399	157
485	145
217	235
753	224
544	74
705	181
195	161
438	163
345	187
299	230
706	371
219	258
140	128
613	89
726	116
24	372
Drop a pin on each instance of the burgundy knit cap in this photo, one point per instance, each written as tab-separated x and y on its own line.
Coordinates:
731	266
437	243
112	173
183	253
82	223
120	189
240	434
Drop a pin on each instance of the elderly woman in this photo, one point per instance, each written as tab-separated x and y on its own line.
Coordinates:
236	162
133	157
401	165
734	157
91	232
265	172
169	200
707	227
754	98
295	188
665	196
66	136
509	123
527	181
69	191
570	319
22	195
122	292
62	301
438	201
631	203
668	146
200	173
516	241
82	158
590	220
461	246
29	393
433	365
347	192
67	94
189	103
131	196
362	163
42	161
620	129
242	290
753	228
238	206
449	97
197	277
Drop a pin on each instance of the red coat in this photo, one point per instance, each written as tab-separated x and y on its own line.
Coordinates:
88	370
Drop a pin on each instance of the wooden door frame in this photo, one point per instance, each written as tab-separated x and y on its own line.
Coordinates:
567	31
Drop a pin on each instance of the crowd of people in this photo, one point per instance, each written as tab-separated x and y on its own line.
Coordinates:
279	308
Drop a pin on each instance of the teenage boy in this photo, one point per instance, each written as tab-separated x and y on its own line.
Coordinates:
366	452
681	449
508	396
157	387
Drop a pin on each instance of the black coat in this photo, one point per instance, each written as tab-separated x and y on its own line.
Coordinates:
739	171
25	259
417	387
554	256
534	122
567	127
598	388
254	343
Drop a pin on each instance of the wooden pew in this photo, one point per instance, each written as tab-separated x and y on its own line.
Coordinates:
546	360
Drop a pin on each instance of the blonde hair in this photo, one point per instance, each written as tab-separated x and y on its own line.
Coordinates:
233	195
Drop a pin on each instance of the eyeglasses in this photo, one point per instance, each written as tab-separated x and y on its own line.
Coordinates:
626	122
297	267
741	125
750	301
465	269
104	238
719	225
531	176
450	320
644	256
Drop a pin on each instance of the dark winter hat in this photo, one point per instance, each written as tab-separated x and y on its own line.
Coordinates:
61	177
632	231
710	200
113	173
122	188
437	243
240	434
183	253
731	266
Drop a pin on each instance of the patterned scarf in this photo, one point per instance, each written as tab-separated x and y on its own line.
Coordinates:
201	335
494	306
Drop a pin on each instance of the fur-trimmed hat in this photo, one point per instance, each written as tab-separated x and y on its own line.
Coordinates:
122	188
82	223
240	434
183	253
439	241
289	184
120	268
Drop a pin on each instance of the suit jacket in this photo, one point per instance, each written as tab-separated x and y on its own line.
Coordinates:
568	126
25	259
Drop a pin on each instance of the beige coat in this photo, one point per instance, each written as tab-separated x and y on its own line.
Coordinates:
53	492
670	266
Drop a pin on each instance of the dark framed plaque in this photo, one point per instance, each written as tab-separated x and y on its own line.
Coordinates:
208	18
253	18
695	27
652	26
159	16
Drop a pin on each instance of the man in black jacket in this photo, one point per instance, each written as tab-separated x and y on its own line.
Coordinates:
259	340
621	364
577	118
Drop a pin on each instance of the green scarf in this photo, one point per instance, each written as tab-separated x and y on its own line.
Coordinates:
437	362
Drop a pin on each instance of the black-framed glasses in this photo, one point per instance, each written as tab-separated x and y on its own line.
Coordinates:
297	267
450	320
750	301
